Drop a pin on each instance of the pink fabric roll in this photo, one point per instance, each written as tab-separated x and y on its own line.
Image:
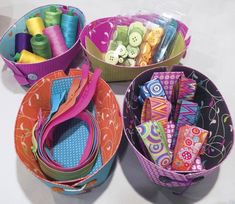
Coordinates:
56	40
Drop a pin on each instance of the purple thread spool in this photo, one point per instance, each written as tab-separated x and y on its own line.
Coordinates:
22	42
56	40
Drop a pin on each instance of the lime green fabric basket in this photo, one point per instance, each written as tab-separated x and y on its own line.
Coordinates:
115	73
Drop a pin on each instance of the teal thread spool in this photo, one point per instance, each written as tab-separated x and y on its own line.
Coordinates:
41	46
52	16
69	27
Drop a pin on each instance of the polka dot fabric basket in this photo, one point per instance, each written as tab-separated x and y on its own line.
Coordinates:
107	114
214	116
28	74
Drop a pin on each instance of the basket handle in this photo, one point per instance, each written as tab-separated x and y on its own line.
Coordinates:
76	189
166	179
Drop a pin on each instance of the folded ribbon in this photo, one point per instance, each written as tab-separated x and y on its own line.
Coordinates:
156	108
189	143
152	88
188	115
79	95
153	136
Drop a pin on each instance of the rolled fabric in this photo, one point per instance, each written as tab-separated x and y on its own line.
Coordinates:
156	108
168	80
153	136
189	143
187	115
152	88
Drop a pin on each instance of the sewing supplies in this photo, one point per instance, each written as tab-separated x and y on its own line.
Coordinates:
69	27
153	136
41	46
189	142
56	40
52	16
169	96
22	42
35	25
27	57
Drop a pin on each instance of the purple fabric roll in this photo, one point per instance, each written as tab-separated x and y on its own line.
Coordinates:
22	42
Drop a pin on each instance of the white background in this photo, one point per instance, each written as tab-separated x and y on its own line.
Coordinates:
211	52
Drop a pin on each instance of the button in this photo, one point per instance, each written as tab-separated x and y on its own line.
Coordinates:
146	57
120	60
135	39
133	51
32	77
137	27
145	48
143	63
121	50
111	57
152	39
158	31
130	62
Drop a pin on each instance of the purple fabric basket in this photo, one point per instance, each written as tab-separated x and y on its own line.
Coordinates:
28	74
214	117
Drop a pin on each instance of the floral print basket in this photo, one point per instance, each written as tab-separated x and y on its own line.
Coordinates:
107	115
214	116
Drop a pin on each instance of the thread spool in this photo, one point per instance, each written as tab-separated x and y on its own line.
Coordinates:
69	27
35	25
56	40
27	57
22	42
41	46
52	16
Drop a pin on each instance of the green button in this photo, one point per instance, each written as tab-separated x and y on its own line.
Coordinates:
135	39
121	50
137	27
129	62
133	51
121	60
111	57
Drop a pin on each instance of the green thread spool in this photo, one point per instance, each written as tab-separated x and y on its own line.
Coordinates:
41	46
52	16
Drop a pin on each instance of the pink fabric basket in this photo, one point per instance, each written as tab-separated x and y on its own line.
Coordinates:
214	116
28	74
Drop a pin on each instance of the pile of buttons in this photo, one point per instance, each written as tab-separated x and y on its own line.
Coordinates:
66	140
169	135
141	42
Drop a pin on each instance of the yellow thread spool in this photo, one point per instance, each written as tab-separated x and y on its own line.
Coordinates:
28	57
35	25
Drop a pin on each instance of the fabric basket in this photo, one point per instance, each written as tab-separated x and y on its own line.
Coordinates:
214	117
28	74
107	114
112	73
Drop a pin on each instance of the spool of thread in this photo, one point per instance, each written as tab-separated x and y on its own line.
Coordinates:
69	27
52	16
27	57
35	25
22	42
41	46
56	40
